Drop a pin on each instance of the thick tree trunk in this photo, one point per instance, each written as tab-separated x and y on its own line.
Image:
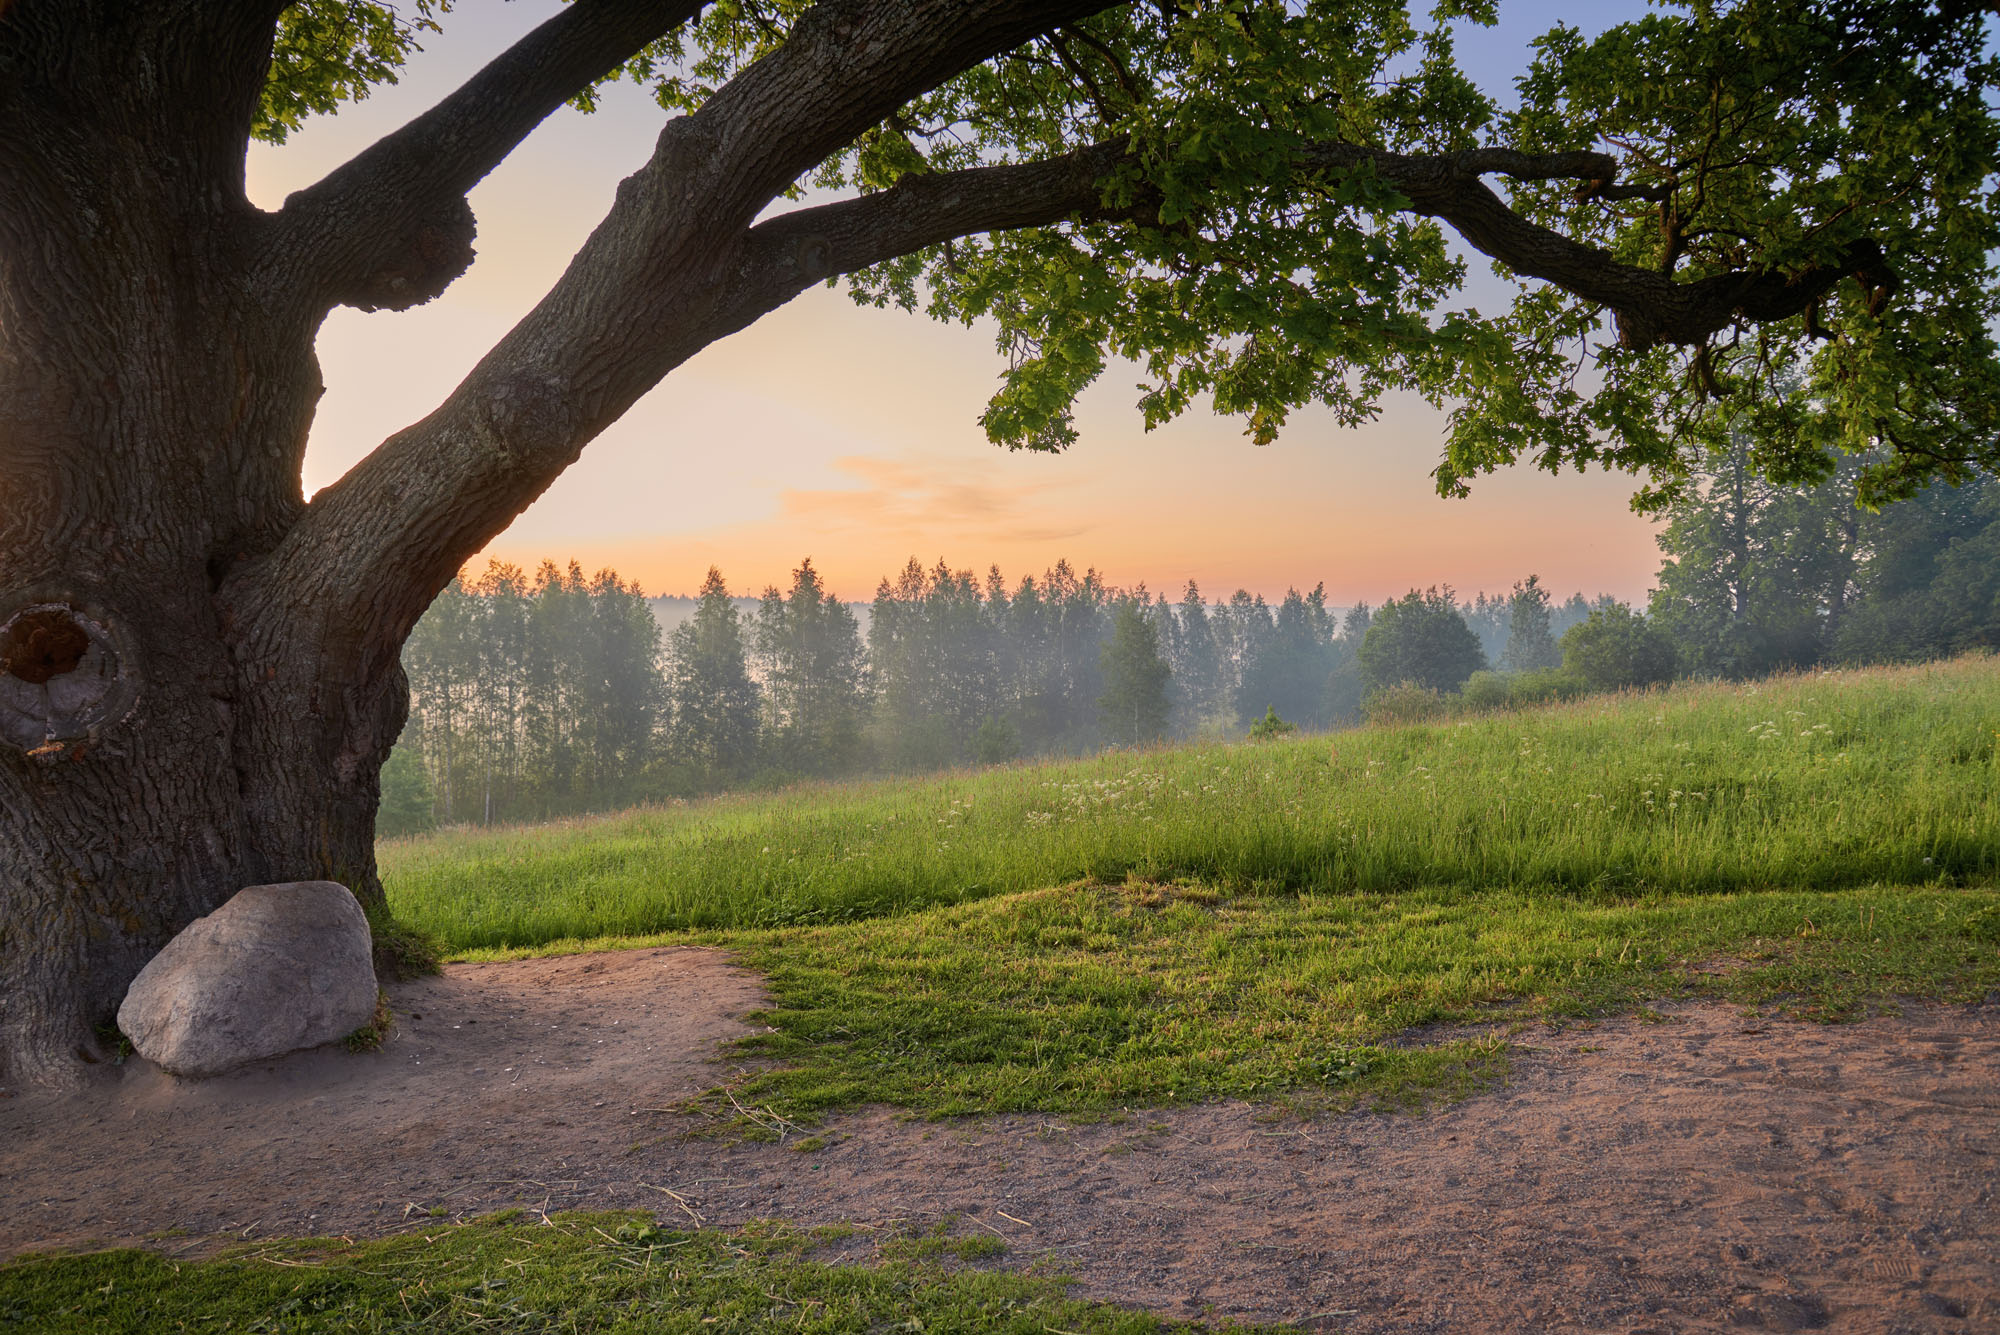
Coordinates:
112	843
158	750
200	679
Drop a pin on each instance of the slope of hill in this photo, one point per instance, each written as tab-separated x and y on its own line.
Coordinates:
1257	919
1823	781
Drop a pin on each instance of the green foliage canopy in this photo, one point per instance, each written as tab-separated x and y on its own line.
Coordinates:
327	52
1772	213
1759	577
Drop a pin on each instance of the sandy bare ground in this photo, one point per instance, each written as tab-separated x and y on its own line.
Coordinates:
1707	1173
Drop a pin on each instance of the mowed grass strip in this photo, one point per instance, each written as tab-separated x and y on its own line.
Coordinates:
1091	998
1811	783
578	1273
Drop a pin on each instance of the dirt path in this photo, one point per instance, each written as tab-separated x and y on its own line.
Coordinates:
1707	1173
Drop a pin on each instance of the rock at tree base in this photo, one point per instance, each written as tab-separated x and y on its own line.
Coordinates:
277	968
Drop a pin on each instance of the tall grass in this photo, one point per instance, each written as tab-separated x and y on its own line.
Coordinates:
1811	782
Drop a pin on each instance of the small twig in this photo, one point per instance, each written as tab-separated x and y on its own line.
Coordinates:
765	1118
679	1200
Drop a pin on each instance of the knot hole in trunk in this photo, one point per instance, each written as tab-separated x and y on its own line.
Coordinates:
43	643
63	677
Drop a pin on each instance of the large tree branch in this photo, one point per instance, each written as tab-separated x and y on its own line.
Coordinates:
795	250
391	228
642	296
1650	307
790	253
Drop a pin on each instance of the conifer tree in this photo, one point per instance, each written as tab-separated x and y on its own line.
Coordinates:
1289	665
503	592
1530	646
808	647
1134	704
620	697
1344	686
1487	617
441	660
1242	627
713	701
1197	665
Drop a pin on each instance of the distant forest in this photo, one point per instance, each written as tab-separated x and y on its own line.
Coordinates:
539	696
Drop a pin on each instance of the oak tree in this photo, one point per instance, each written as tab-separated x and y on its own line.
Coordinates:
1255	200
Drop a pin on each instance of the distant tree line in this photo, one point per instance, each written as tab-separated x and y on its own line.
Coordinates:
528	698
556	694
536	697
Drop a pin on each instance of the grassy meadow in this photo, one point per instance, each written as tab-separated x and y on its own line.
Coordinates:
507	1275
1267	919
1820	782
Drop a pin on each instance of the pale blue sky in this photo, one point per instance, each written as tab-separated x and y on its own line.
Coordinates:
851	435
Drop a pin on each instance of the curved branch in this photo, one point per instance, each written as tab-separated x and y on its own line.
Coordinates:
790	253
1650	307
795	250
391	228
649	289
1579	165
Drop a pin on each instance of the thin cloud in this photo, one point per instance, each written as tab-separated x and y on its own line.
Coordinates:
925	498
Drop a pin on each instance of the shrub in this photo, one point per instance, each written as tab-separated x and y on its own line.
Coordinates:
1543	687
1487	690
1407	703
996	742
1617	648
1270	727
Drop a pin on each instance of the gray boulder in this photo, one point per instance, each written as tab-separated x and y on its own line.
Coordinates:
277	968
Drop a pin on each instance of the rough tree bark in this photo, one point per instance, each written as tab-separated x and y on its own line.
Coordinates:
199	672
173	728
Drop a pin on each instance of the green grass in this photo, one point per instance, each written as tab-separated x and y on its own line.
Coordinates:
1269	920
1092	998
580	1273
1827	782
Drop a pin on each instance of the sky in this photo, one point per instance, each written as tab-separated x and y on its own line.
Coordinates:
850	435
